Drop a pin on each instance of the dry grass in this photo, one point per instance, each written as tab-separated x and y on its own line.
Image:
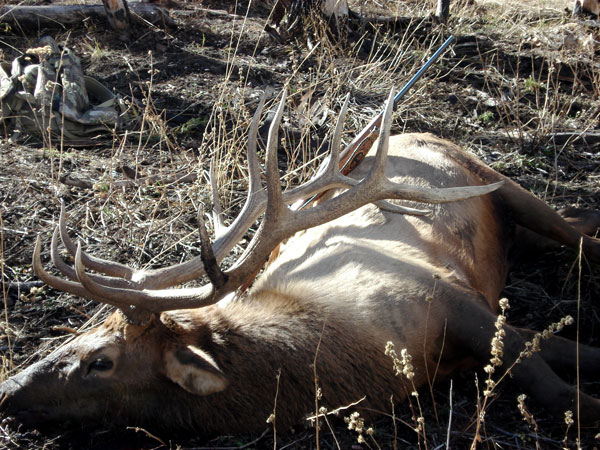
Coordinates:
517	98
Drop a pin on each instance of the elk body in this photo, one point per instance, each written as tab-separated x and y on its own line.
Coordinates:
361	276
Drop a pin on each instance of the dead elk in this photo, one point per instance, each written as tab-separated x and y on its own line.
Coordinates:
353	276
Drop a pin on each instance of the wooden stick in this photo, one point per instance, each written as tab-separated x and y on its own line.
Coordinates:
67	15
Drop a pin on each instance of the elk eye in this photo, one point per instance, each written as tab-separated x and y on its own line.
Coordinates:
101	365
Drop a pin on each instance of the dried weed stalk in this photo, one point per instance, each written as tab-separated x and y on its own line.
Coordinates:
403	366
497	352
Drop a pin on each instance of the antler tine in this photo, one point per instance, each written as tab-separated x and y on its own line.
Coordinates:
55	282
329	177
390	190
69	272
253	165
255	201
111	268
254	182
153	301
211	266
274	195
331	165
382	204
61	284
336	141
377	171
58	262
387	189
217	211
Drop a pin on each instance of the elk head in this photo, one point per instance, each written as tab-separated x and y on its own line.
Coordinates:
119	372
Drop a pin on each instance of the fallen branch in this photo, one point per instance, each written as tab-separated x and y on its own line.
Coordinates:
588	137
66	15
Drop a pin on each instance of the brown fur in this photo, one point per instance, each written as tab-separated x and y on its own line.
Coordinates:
589	7
335	296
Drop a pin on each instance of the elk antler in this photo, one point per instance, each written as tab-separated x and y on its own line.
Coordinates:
139	293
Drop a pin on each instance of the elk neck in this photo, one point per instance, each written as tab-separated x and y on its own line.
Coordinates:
271	335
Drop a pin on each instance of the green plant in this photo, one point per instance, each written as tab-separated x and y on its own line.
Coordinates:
486	117
532	85
197	123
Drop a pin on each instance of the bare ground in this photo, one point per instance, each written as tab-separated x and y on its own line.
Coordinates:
519	89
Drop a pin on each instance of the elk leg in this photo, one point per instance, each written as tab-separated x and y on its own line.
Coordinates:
587	221
472	326
561	354
583	220
536	216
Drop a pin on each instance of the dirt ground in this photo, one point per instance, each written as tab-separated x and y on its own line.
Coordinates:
520	89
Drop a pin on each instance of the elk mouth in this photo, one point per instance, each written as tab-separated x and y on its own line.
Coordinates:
28	418
41	420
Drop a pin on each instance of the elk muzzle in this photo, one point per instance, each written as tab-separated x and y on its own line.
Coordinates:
49	391
20	395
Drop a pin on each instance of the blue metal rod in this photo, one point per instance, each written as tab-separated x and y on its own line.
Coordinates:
422	70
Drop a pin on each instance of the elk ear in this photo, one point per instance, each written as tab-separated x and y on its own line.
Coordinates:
194	370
